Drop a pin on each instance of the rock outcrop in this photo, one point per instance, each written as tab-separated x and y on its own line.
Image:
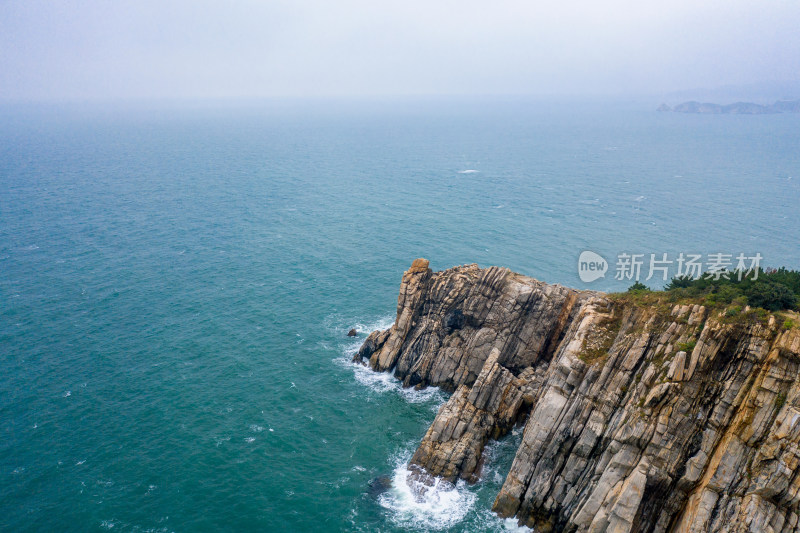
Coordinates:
662	418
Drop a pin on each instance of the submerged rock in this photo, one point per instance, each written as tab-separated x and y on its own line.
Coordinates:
637	418
379	485
352	333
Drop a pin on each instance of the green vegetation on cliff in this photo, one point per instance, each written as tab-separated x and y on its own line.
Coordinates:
773	289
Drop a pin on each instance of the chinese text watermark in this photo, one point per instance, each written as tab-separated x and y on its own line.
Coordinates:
662	266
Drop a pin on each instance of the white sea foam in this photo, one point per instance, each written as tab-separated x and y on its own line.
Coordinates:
382	382
339	326
386	382
510	524
411	504
366	328
488	521
468	171
250	439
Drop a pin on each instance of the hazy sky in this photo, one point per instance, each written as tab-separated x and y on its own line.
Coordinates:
54	49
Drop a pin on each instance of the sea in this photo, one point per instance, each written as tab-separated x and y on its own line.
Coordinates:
177	280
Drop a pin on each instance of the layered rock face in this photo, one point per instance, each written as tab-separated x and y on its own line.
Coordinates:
637	418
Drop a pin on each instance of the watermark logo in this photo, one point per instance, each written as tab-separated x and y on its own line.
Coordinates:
591	266
636	267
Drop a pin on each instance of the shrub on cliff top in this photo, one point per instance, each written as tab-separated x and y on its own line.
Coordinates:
771	295
774	289
638	287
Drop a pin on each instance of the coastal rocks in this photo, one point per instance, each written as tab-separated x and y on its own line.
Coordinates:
636	417
352	333
453	445
379	485
448	323
374	342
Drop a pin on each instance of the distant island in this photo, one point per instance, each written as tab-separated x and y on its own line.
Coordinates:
738	108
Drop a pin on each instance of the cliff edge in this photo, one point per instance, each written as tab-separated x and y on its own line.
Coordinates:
657	417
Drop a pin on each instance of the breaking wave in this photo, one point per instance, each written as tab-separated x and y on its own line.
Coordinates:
413	504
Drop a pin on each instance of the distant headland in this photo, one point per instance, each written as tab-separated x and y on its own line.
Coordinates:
738	108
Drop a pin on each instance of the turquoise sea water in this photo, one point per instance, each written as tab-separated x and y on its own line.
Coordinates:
176	284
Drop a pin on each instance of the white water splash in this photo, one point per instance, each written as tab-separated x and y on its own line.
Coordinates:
414	505
338	326
365	328
386	382
488	521
380	382
468	171
510	524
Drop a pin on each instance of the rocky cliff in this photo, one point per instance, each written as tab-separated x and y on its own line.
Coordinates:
658	417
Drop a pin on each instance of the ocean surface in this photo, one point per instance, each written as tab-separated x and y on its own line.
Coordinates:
177	282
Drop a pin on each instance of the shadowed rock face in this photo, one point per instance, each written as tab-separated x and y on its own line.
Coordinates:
636	418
